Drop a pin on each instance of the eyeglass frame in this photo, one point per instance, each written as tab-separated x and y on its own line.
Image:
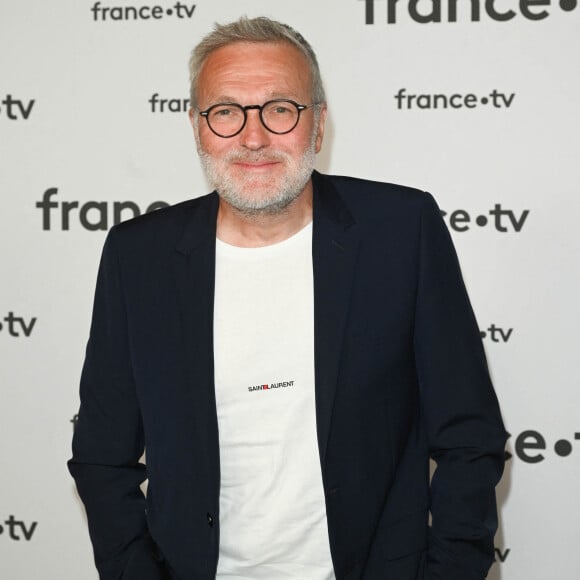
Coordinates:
259	108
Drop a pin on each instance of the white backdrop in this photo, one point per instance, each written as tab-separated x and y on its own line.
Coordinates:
78	117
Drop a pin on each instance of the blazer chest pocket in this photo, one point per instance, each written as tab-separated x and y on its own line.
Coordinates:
406	536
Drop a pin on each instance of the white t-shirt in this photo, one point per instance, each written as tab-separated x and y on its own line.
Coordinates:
272	509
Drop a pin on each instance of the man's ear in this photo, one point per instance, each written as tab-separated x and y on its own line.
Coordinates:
194	120
320	128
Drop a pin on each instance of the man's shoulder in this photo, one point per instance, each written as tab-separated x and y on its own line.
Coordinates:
166	218
372	200
367	190
153	236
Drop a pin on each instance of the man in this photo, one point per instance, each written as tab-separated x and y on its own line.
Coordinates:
290	350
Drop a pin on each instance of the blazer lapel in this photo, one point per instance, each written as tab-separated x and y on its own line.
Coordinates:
194	267
334	251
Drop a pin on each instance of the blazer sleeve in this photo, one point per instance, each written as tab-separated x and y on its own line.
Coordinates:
108	439
464	426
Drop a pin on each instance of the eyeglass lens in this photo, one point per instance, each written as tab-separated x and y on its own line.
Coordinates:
277	117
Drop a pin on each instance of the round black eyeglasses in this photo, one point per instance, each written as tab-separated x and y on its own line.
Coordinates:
279	116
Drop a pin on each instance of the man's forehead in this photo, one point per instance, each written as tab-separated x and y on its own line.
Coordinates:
238	52
275	68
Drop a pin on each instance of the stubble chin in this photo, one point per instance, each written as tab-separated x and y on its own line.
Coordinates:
259	194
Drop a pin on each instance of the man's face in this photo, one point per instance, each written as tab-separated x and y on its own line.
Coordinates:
258	171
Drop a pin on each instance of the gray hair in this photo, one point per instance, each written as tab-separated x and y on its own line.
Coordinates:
259	29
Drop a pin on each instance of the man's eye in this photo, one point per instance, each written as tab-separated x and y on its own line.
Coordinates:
281	110
222	112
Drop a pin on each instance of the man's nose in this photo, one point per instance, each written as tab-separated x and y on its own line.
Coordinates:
254	135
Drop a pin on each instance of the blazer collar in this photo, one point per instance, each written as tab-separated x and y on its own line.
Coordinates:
328	210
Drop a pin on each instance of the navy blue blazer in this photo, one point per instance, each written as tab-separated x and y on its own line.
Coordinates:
400	376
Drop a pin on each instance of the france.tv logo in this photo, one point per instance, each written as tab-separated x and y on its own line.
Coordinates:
438	11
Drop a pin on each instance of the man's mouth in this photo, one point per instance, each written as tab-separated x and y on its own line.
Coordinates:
256	164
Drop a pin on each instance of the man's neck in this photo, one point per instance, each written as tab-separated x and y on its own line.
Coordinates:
263	229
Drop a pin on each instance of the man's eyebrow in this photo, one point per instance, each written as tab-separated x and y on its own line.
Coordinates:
271	96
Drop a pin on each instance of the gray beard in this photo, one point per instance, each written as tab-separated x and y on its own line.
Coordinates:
238	192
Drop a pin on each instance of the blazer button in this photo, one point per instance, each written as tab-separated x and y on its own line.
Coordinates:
209	519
